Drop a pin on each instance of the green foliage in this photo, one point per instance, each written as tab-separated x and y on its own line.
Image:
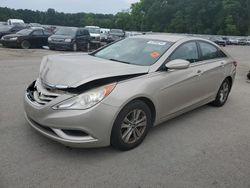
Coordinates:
223	17
52	17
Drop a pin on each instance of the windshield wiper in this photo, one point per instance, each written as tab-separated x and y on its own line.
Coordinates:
119	61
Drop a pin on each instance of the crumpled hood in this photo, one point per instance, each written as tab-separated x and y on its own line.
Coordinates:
73	70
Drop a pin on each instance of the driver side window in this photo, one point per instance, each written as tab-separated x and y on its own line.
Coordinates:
187	51
37	33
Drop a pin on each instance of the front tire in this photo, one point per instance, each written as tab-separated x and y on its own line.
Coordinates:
222	94
131	126
25	44
74	47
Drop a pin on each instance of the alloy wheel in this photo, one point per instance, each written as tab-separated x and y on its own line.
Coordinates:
224	91
133	126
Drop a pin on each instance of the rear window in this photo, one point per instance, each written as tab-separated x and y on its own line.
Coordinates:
208	51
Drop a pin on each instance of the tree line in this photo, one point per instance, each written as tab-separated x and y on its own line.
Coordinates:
224	17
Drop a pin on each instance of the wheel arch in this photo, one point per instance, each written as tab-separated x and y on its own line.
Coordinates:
147	101
151	106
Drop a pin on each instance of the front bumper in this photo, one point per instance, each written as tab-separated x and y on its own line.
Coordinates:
96	123
9	43
60	45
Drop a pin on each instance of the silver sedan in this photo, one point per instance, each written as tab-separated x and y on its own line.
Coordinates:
114	95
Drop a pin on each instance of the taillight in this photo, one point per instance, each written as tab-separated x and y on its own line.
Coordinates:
235	63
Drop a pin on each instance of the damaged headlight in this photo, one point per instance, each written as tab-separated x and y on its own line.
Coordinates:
87	99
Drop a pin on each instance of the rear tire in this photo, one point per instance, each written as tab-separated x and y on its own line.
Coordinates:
248	75
222	94
131	126
25	44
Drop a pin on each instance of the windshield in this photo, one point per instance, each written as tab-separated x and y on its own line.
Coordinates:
135	51
25	32
94	30
70	31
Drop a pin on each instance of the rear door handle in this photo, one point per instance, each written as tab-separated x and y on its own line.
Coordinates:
222	64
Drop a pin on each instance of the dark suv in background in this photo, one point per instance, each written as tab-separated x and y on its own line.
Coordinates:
69	38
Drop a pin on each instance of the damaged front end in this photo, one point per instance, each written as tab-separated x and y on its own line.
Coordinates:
88	94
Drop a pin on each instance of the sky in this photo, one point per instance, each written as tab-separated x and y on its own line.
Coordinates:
71	6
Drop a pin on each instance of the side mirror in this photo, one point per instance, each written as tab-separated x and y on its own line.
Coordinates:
177	64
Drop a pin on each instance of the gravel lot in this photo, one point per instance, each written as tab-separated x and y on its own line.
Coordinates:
208	147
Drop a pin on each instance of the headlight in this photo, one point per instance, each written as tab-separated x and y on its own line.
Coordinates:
49	39
87	99
67	40
13	38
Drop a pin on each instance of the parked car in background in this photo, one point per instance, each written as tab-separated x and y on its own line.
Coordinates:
27	38
115	34
132	33
9	29
14	21
242	42
69	38
233	41
104	34
226	39
113	96
95	34
51	28
248	42
218	40
35	25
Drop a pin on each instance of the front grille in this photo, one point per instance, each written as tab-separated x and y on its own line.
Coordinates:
37	93
58	40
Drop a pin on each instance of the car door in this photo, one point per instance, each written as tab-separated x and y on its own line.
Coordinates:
86	38
180	89
212	69
36	38
79	39
45	37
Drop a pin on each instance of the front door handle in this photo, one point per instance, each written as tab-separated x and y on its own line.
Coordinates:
199	72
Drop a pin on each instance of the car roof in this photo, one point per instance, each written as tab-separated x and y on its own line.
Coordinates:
166	37
37	28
